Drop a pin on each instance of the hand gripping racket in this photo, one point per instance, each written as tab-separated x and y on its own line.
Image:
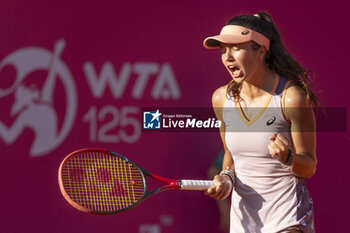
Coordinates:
103	182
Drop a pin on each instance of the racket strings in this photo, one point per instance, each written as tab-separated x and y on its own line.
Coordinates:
102	182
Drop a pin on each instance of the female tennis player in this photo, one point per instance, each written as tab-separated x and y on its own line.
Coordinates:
268	129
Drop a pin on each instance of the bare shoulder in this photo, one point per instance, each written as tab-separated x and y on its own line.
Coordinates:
298	109
296	97
218	97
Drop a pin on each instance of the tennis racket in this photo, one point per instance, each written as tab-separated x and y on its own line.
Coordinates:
104	182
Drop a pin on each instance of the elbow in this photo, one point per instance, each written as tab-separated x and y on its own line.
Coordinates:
305	165
311	171
310	174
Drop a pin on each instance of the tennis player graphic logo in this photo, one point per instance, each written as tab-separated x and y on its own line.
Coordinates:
152	120
34	108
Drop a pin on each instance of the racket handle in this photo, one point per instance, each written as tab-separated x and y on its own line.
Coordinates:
196	184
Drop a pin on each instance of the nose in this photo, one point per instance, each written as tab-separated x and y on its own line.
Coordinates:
227	56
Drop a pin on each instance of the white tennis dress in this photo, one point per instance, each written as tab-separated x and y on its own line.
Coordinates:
267	197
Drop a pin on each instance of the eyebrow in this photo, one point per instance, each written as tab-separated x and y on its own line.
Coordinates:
229	45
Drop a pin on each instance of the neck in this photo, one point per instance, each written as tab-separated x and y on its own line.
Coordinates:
258	84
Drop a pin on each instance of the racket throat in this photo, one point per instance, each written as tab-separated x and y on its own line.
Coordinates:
174	184
170	183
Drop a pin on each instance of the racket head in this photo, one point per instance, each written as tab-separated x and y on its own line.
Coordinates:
100	181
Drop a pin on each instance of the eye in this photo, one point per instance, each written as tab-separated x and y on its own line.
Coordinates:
223	49
235	48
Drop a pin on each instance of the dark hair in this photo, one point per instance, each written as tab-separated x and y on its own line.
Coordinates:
277	58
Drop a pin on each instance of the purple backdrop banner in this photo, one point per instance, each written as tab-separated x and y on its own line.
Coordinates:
76	74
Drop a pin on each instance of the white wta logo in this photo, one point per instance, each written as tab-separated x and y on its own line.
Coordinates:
34	108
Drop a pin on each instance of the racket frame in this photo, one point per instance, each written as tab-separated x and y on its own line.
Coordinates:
169	183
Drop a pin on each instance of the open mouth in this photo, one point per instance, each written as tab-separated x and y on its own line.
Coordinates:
235	71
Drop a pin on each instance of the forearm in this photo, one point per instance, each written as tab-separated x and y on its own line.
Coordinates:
304	165
228	172
223	181
228	161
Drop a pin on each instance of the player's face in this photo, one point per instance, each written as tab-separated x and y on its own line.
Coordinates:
241	60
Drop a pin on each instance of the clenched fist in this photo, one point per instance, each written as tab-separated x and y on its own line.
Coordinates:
278	147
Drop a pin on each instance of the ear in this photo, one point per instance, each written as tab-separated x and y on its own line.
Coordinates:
262	52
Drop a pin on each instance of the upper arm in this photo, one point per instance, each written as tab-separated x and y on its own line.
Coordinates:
218	100
299	113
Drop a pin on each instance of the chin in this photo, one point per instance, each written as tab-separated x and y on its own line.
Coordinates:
238	80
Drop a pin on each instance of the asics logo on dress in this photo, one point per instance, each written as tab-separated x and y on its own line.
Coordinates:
270	122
